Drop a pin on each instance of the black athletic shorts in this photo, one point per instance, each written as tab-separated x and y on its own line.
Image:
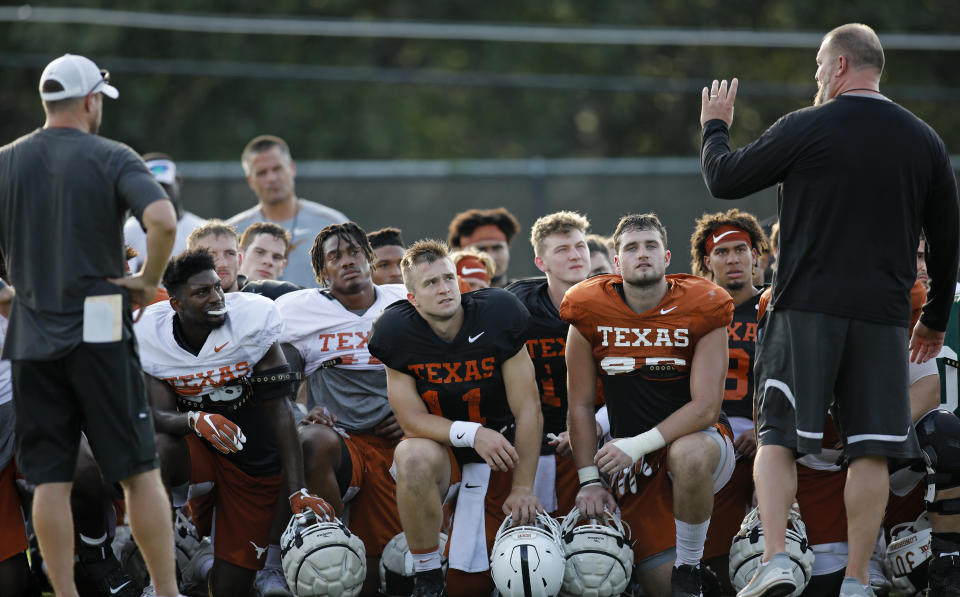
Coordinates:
807	363
97	388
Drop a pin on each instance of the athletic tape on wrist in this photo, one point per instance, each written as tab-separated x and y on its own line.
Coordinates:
638	446
463	433
588	475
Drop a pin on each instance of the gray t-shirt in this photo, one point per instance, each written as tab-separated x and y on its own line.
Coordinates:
63	201
310	219
359	398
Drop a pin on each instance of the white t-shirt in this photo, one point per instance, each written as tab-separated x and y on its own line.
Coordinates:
134	236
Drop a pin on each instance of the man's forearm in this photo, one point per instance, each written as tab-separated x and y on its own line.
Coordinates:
582	428
170	422
527	441
689	418
161	225
288	444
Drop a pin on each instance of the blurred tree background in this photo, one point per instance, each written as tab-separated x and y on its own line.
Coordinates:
201	96
622	112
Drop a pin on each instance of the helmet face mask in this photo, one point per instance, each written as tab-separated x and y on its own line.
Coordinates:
748	544
396	566
599	556
527	560
322	558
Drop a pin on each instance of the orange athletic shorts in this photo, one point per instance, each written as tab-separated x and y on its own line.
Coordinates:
568	484
239	510
730	506
820	497
645	496
904	508
372	512
13	535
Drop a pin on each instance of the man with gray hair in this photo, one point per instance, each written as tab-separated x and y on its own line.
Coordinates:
270	173
857	174
70	337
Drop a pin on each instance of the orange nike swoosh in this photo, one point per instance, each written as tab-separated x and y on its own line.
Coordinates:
219	348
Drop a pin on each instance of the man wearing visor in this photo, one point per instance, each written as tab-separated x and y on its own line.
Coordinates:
164	169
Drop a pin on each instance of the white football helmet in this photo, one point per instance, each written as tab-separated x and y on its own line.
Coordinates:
747	549
527	560
322	558
599	557
909	549
396	566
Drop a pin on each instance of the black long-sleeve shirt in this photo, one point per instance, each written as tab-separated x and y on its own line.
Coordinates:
859	177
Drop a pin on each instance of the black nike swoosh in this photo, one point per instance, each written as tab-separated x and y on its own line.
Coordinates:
460	435
468	486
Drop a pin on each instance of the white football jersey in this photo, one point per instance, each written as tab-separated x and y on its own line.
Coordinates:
230	352
322	329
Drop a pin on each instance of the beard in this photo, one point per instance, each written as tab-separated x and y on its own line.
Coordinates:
823	93
644	281
735	286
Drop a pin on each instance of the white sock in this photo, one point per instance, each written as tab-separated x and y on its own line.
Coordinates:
273	557
690	539
426	561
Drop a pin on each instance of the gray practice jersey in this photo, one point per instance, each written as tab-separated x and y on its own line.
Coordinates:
303	227
332	341
359	398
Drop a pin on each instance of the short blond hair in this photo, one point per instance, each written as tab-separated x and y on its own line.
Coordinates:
562	222
488	263
423	251
214	228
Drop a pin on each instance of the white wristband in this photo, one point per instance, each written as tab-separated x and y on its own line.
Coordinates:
588	474
638	446
462	433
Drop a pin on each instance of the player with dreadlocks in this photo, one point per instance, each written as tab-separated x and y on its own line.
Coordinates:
724	248
325	335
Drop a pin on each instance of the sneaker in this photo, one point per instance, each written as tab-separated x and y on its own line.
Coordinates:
429	584
944	574
100	567
149	591
773	579
193	575
685	581
128	554
851	587
270	582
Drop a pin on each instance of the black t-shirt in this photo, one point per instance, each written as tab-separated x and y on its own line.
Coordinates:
742	342
63	202
546	337
859	177
461	380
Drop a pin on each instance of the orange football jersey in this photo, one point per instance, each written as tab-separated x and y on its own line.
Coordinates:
643	360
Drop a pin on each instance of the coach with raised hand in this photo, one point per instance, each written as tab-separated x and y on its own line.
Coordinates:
858	175
75	367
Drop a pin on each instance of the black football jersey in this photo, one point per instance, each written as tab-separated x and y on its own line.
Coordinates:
742	337
546	340
461	380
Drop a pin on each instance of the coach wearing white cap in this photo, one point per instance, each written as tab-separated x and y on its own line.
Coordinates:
70	336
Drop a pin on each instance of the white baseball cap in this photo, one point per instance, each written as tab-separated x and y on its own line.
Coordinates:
78	76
